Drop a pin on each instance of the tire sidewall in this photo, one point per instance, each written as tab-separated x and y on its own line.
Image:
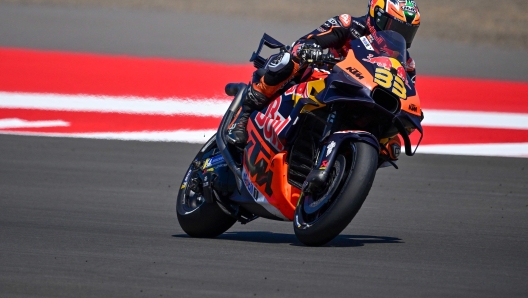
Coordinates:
350	199
208	220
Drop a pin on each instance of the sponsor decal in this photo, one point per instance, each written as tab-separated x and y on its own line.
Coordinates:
366	43
332	22
355	72
257	158
388	64
345	20
386	79
184	184
409	9
330	148
413	108
359	24
355	33
249	186
272	123
324	164
210	162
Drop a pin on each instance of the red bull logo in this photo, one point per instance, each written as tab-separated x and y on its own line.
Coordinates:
388	64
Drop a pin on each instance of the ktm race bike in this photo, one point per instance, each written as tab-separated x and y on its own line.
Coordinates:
313	153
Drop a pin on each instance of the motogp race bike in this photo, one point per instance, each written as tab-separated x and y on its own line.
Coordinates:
313	153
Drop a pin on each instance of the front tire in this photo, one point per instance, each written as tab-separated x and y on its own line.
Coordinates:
320	216
197	217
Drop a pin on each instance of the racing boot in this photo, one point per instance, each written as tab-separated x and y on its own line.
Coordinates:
255	100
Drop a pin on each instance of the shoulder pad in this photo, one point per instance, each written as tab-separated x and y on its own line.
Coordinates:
345	20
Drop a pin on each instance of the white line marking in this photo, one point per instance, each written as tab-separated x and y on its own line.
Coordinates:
185	136
201	136
505	149
475	119
130	105
10	123
214	107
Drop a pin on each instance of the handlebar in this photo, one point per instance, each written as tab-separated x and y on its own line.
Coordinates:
329	58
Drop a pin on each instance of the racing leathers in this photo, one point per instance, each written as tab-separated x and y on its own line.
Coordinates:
334	35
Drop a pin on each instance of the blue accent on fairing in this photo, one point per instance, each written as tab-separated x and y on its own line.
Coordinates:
337	83
290	129
215	160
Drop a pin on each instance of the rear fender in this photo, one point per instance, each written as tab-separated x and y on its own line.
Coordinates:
319	174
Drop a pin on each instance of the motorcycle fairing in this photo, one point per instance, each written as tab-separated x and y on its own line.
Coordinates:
265	164
380	71
265	177
275	123
259	198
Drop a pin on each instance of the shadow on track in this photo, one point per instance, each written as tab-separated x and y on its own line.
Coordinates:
278	238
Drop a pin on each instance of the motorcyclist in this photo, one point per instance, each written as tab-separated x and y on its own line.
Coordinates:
335	35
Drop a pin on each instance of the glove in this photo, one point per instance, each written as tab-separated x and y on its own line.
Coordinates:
309	52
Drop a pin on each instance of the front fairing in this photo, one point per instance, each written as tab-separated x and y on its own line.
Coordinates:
372	80
375	61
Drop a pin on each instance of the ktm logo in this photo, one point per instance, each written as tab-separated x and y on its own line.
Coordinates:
413	108
355	72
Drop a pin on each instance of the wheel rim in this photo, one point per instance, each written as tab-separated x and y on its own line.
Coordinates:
313	206
191	199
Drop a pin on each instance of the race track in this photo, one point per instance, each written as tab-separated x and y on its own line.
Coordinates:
96	218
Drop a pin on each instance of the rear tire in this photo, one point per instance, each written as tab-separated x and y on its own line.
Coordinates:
320	217
197	217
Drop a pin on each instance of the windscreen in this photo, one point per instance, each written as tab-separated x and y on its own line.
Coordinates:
389	44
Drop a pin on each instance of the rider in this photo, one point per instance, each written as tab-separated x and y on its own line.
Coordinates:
335	34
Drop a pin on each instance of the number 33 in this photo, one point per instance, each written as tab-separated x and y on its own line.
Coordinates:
386	79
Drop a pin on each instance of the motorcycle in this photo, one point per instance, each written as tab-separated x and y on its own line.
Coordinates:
313	153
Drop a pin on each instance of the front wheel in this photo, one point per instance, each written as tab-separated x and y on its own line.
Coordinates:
321	215
197	217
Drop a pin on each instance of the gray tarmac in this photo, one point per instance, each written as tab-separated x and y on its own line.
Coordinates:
96	218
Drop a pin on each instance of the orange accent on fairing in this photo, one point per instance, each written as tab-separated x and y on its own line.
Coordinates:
318	75
412	105
351	61
284	196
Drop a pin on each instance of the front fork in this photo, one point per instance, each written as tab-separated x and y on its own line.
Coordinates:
328	154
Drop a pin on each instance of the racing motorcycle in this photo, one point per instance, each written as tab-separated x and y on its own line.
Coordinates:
313	153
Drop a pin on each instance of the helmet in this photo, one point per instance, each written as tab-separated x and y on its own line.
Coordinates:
401	16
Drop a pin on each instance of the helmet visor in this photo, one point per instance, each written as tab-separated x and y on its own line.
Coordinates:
408	31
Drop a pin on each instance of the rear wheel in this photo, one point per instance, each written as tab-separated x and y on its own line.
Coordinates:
321	215
197	217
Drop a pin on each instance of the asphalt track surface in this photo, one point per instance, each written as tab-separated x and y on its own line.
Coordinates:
95	218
